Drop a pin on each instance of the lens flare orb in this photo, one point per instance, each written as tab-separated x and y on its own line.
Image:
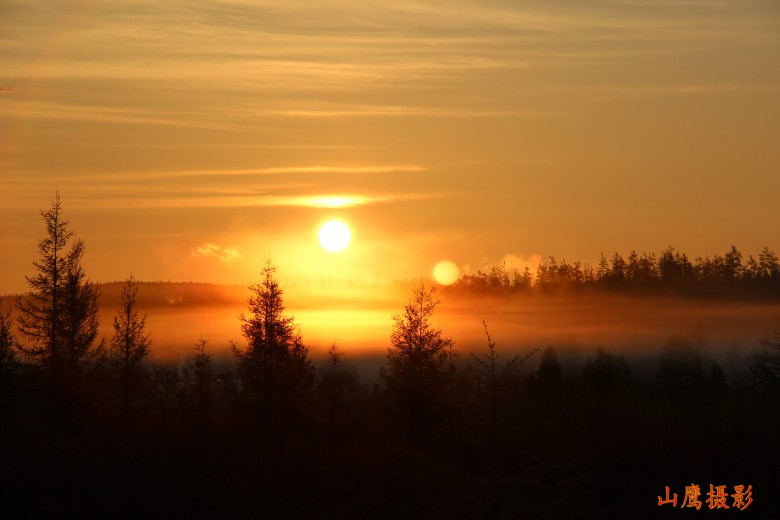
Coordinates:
446	272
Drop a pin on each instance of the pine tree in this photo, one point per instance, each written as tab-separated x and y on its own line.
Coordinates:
198	380
129	345
681	367
549	375
59	315
602	272
765	365
769	266
275	367
417	360
332	384
8	361
606	374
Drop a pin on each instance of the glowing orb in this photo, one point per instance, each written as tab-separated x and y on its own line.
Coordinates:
334	236
446	272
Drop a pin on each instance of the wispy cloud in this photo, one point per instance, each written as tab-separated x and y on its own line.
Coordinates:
608	93
282	186
225	255
521	261
325	200
314	170
345	111
51	110
671	3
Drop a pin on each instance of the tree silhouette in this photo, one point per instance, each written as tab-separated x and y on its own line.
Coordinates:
335	384
275	367
129	344
606	374
549	375
59	315
9	363
765	365
681	367
490	376
732	264
602	272
416	359
198	379
8	360
768	265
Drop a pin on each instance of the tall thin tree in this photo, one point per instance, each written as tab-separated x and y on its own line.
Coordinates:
8	359
58	317
129	345
198	377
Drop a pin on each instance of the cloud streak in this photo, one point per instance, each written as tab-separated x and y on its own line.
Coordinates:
324	200
61	111
226	255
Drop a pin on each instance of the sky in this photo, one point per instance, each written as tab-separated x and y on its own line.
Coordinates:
191	140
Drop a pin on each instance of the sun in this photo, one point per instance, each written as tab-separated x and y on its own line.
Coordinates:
334	236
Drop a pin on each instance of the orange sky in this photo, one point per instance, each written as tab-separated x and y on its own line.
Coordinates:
190	140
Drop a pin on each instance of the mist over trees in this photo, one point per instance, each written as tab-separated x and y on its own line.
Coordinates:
671	273
272	432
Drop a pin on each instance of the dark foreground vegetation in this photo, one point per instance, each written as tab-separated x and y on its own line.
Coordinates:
90	427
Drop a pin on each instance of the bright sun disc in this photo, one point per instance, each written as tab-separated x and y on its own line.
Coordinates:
334	236
446	272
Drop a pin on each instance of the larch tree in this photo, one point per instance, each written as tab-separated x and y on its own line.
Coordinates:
275	368
8	360
489	377
417	359
58	317
129	345
198	378
330	380
765	365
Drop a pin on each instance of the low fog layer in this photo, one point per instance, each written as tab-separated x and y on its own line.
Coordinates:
359	320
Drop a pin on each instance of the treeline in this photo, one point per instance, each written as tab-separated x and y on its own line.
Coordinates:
175	294
672	272
90	425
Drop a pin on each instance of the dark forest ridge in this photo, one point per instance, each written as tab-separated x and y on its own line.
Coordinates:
669	273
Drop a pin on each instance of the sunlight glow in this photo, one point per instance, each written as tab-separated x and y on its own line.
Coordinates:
334	236
446	272
335	201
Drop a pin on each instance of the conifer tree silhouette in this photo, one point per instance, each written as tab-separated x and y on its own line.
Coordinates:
59	315
275	367
129	345
417	360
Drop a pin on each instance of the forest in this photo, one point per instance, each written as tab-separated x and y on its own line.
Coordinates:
91	425
673	273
